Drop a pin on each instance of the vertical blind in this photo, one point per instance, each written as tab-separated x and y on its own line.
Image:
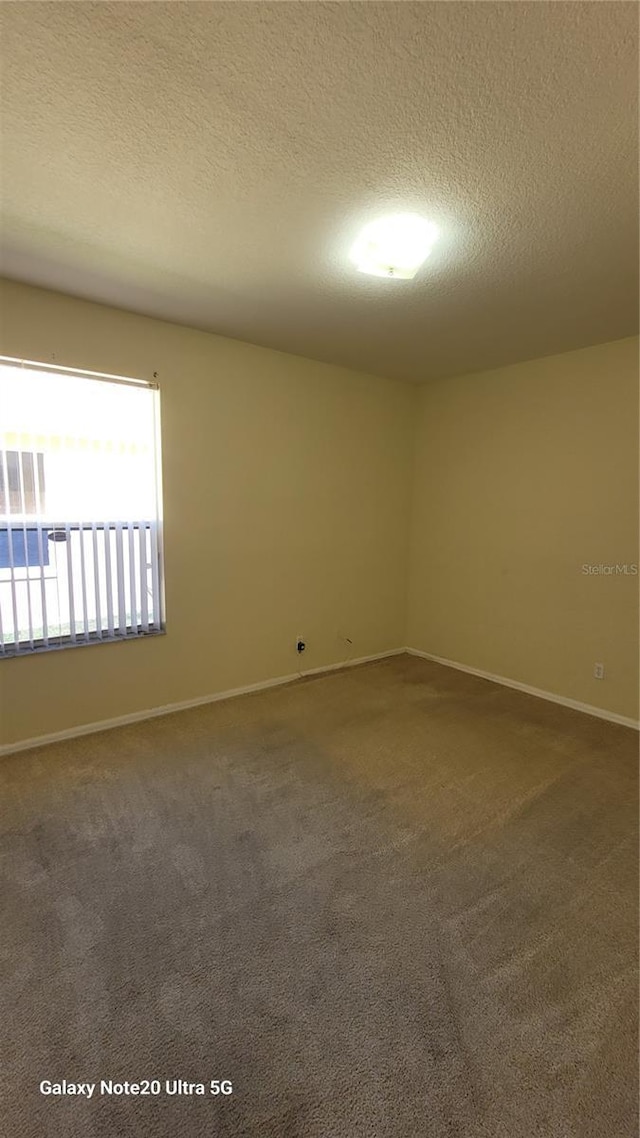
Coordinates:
80	516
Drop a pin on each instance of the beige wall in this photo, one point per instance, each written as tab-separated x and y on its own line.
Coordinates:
286	500
290	492
522	476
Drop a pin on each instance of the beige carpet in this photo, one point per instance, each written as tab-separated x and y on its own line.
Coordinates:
391	901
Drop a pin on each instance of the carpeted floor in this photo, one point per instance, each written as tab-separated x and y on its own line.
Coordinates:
391	902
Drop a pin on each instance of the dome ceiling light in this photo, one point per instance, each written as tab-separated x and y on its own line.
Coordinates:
394	246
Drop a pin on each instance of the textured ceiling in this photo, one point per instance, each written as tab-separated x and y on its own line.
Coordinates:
211	163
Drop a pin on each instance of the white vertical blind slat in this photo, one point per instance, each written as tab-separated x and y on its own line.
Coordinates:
12	568
25	538
96	580
144	606
122	600
72	607
83	576
132	578
155	575
42	548
106	537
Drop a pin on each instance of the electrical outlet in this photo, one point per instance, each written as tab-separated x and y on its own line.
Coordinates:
300	645
598	671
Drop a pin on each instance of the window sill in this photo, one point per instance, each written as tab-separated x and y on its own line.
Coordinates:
10	653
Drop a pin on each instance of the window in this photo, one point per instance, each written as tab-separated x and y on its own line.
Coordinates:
80	518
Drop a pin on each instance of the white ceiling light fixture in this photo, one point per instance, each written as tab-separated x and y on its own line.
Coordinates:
394	246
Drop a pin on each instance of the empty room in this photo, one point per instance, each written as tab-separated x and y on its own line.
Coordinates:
319	569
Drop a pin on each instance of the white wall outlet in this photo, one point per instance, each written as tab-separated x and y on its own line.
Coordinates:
301	644
598	671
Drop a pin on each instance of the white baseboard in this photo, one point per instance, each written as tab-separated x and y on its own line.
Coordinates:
586	708
184	705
